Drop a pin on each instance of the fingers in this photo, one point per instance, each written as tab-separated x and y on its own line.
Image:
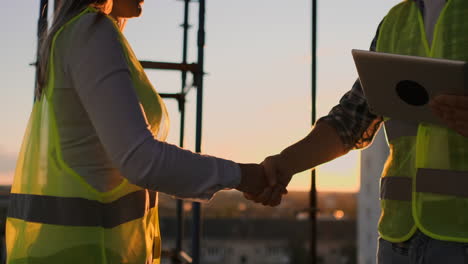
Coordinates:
271	196
273	176
275	184
270	171
276	195
249	196
455	101
264	197
284	191
453	111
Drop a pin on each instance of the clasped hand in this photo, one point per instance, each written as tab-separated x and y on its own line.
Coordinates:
265	183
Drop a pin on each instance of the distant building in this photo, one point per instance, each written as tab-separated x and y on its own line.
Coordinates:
267	241
372	162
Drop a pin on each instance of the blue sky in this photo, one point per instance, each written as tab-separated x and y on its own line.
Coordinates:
257	91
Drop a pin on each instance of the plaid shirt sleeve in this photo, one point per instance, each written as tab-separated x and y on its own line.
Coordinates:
354	123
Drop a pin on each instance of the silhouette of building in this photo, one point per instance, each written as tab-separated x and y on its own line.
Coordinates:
372	162
272	241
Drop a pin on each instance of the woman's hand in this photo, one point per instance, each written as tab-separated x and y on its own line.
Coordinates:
453	110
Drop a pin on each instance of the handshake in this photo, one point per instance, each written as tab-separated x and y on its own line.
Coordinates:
265	183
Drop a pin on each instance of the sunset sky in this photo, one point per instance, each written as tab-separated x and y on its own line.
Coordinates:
257	91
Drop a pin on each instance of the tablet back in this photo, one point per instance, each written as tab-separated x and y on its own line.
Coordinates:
401	87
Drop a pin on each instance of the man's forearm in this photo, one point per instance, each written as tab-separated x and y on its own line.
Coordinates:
321	145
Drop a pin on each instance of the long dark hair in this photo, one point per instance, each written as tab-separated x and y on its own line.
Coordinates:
65	11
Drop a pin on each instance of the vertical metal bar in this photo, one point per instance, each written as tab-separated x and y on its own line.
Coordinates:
180	203
184	73
41	29
196	233
180	227
313	189
196	208
200	73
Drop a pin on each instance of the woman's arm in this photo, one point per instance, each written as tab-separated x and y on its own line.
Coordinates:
102	80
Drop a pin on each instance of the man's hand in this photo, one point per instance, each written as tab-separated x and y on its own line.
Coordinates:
321	145
253	180
453	110
278	178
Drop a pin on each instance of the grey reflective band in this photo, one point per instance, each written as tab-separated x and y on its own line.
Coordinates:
397	128
79	211
395	188
445	182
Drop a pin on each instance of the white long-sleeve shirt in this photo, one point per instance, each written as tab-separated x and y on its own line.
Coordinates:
103	132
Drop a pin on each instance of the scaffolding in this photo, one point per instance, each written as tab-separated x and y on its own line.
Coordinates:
178	255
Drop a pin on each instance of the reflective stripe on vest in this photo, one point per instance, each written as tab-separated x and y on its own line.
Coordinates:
444	182
63	210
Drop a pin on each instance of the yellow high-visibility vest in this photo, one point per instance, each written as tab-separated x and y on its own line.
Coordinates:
425	180
55	216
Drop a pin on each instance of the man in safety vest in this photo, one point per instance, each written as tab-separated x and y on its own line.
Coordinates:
424	186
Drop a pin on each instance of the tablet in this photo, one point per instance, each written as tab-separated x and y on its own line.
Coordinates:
400	87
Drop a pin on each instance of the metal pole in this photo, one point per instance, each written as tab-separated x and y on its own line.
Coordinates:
179	230
180	203
186	27
196	208
313	189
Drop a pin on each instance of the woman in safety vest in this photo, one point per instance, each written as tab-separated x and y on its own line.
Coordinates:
424	185
93	155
